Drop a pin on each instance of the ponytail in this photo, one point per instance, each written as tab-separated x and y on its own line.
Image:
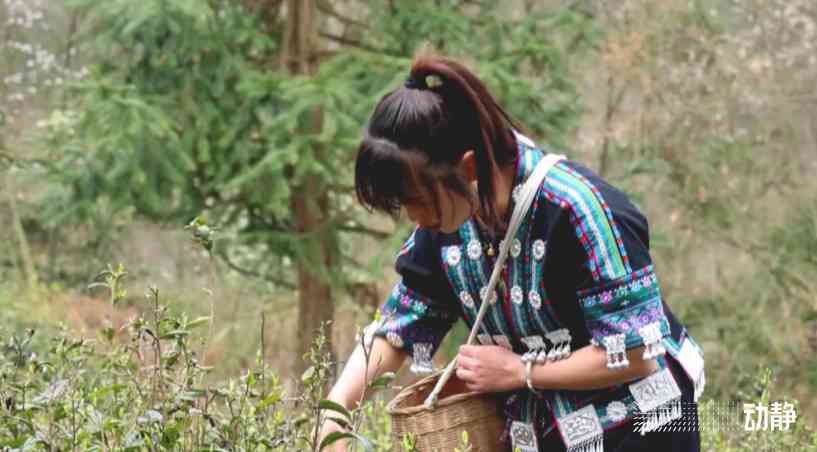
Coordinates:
442	111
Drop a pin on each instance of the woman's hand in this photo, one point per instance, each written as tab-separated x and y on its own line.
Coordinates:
490	368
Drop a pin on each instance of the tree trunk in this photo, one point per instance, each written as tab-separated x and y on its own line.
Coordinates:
26	260
310	198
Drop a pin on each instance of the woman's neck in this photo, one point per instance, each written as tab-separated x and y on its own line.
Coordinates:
503	187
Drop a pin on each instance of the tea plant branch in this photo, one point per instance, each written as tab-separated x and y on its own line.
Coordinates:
367	383
211	294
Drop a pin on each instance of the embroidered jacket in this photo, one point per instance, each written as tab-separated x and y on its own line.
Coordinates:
578	273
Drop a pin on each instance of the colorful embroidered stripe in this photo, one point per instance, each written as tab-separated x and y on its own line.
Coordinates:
408	245
516	278
537	269
533	270
458	280
592	226
478	268
607	211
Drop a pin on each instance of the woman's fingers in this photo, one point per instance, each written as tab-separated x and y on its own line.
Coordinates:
465	375
466	362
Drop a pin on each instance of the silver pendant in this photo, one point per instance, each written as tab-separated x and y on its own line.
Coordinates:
581	430
692	361
534	299
474	249
616	411
421	359
616	351
539	248
535	344
516	248
517	296
453	255
651	336
658	397
467	299
394	339
523	437
561	344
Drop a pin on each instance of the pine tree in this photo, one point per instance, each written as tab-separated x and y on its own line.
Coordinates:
251	113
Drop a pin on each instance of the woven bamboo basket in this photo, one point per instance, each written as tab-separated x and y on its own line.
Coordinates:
457	409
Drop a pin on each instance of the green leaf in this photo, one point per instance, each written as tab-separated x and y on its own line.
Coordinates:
198	322
308	374
383	381
271	399
327	404
174	334
363	441
342	422
334	437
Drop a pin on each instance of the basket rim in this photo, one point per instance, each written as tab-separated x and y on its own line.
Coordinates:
406	392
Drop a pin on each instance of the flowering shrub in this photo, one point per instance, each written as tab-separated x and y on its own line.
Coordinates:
32	62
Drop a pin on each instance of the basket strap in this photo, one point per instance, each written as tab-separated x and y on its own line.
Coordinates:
523	203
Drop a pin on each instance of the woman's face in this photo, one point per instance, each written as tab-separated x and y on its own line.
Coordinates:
454	211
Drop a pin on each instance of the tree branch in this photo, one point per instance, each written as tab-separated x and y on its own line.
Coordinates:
13	159
358	229
356	44
253	273
326	7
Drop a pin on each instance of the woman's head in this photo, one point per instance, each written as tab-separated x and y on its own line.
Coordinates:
430	141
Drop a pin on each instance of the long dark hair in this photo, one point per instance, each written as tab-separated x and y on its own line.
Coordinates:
419	132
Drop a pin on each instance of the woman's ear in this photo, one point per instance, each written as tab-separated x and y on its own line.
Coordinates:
468	166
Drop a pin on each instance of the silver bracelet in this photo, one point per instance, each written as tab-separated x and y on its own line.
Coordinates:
528	366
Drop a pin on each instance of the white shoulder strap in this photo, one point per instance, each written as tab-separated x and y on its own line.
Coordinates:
523	139
523	203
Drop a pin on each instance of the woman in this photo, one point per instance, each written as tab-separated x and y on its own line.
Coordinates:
613	368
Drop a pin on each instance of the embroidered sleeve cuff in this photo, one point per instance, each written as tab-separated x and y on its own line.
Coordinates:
626	313
409	321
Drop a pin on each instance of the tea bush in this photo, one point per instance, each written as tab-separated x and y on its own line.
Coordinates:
142	387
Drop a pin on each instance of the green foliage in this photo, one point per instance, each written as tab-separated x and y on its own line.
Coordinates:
203	233
189	110
697	128
146	390
143	388
730	436
112	280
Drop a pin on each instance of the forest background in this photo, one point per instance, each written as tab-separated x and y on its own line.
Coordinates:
122	121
